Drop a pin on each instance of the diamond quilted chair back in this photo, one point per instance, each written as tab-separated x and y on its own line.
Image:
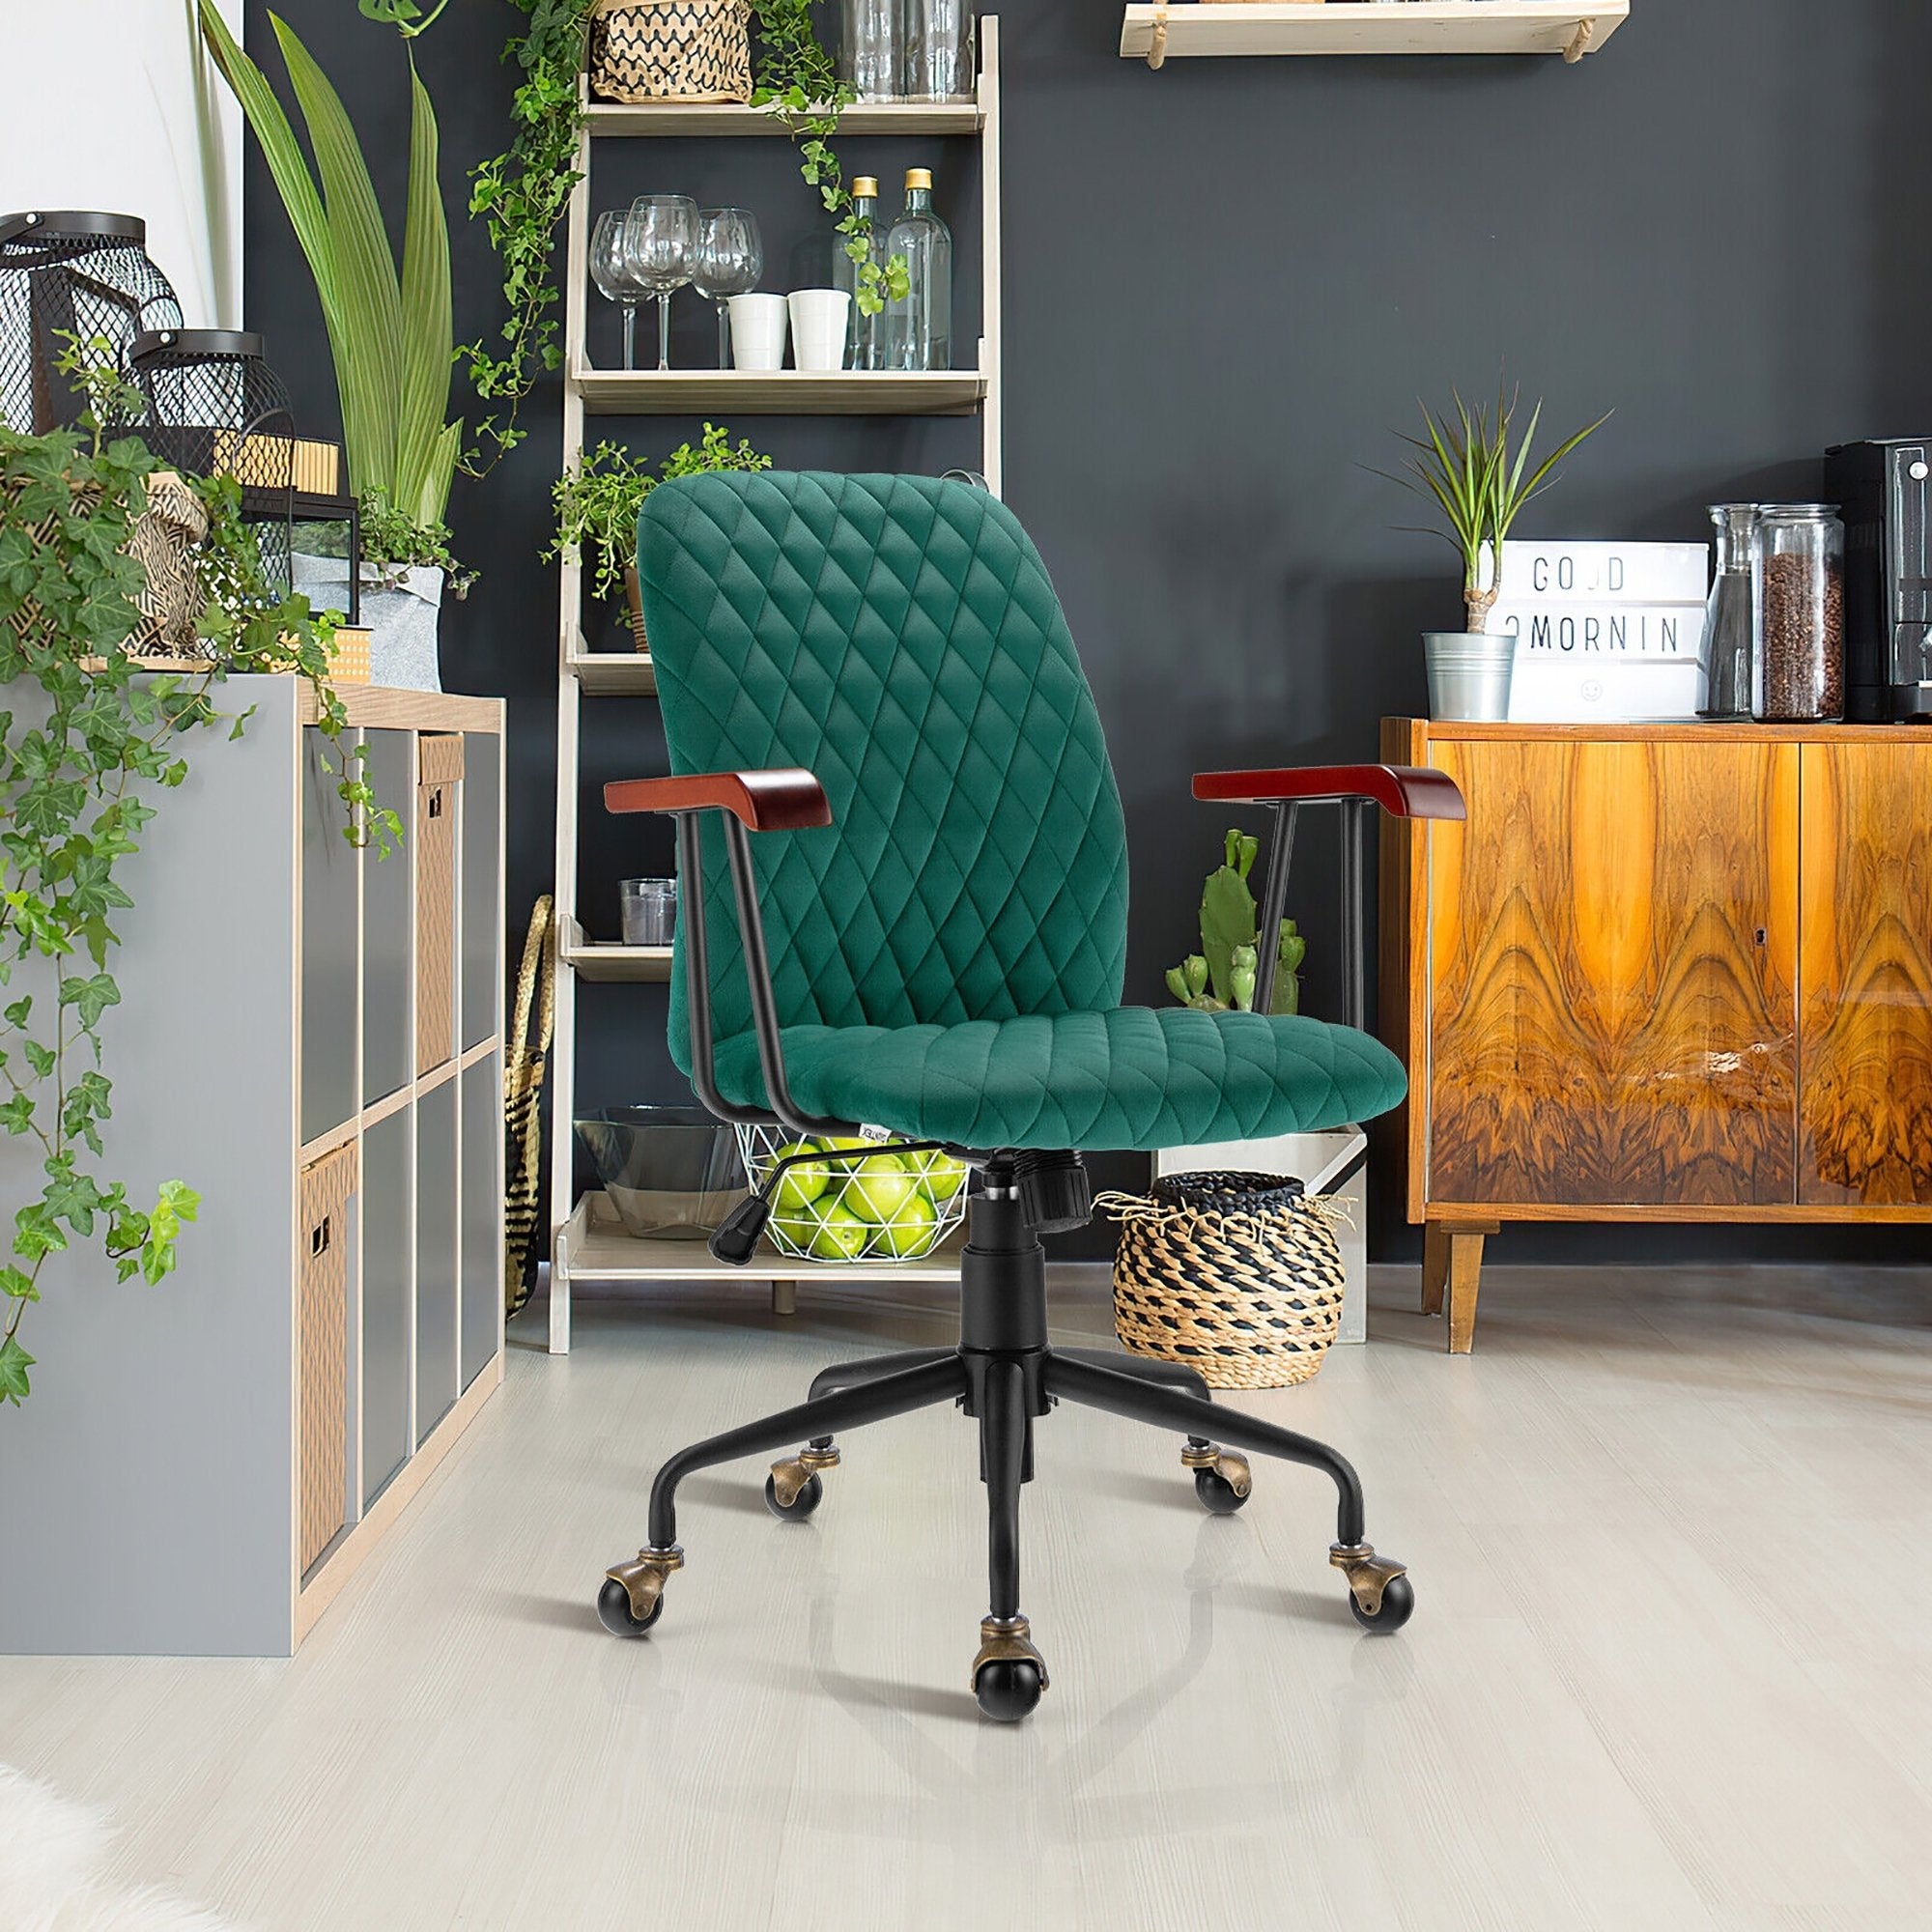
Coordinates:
898	636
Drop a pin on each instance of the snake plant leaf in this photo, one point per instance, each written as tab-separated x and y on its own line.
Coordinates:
365	272
423	463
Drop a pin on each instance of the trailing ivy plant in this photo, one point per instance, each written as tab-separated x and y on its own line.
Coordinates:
797	80
83	765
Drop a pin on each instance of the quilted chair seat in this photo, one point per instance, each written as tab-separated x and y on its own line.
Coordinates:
948	954
1130	1078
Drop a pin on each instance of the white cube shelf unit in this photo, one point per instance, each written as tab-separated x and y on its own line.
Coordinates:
586	1244
310	1036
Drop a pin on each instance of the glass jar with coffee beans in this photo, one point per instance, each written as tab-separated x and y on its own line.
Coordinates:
1801	613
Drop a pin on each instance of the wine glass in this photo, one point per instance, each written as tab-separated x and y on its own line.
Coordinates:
729	260
610	270
660	243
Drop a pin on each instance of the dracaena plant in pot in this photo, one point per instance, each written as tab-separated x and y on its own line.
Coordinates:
1477	473
390	335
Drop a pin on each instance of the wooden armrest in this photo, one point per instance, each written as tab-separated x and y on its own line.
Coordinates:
1404	791
779	801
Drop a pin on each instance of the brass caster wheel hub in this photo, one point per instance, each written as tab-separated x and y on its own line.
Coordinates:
789	1477
644	1580
1232	1468
1007	1640
1367	1574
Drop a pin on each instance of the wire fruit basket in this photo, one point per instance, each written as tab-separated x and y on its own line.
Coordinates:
854	1206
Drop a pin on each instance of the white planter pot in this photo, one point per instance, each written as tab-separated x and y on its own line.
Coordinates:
400	608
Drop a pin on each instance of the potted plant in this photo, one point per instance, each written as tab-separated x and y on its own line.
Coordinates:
389	334
1223	975
1474	472
598	500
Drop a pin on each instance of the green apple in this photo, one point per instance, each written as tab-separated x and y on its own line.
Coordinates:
800	1185
878	1190
912	1225
841	1236
942	1176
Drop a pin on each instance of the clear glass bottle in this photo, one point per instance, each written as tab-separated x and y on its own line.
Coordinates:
872	47
1730	633
1800	579
939	37
919	327
863	346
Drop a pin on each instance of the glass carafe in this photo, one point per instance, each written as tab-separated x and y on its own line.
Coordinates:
1730	630
1800	579
872	47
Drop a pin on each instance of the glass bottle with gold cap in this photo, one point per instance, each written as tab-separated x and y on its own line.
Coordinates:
918	328
864	346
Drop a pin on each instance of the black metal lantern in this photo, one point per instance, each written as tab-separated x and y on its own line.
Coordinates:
215	407
78	274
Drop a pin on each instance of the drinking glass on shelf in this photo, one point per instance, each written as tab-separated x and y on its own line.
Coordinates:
660	243
610	270
730	258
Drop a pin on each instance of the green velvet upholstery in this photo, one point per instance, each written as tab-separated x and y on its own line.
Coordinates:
948	954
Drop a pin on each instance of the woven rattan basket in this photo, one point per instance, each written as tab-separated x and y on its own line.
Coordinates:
523	1062
1238	1275
670	50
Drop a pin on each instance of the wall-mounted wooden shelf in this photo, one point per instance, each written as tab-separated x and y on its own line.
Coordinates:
1571	28
673	120
778	392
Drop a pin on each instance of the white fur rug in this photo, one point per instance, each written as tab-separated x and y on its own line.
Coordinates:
53	1856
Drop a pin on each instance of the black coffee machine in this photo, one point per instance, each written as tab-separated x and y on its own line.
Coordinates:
1884	493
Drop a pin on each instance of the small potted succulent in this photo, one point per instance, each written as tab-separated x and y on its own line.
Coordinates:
597	505
1465	466
1223	975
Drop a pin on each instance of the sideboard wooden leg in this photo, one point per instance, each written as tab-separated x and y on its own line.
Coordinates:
1435	1265
1465	1271
784	1298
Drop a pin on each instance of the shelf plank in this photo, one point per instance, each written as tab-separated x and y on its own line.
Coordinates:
614	673
667	120
600	1250
778	392
1361	27
594	959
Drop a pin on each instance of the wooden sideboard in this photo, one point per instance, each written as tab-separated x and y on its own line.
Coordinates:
1662	973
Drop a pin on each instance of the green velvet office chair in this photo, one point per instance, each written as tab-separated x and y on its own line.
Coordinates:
929	935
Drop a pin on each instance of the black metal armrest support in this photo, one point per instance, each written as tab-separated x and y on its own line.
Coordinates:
782	800
1403	791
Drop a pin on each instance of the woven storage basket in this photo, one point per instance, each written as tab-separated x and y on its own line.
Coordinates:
670	50
1238	1275
524	1060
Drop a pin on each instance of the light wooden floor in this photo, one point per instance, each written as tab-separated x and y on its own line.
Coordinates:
1671	1663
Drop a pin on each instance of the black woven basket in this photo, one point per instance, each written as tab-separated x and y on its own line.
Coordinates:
1238	1275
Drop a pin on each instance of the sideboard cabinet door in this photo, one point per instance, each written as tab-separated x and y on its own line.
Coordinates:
1612	982
1865	975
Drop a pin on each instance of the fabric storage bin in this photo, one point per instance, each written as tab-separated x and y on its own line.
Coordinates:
439	772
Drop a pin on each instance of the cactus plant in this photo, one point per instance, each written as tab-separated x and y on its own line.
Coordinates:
1222	977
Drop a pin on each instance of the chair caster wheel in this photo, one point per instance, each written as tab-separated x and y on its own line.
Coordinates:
1397	1607
1222	1479
614	1611
1008	1688
1218	1495
804	1500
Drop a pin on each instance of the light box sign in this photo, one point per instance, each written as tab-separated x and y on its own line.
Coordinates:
1603	631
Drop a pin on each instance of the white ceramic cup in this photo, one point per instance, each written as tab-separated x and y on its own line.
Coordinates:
757	331
818	319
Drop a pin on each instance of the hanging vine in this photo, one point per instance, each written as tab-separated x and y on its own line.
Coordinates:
83	763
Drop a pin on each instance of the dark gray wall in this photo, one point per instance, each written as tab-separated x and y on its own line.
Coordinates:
1225	285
